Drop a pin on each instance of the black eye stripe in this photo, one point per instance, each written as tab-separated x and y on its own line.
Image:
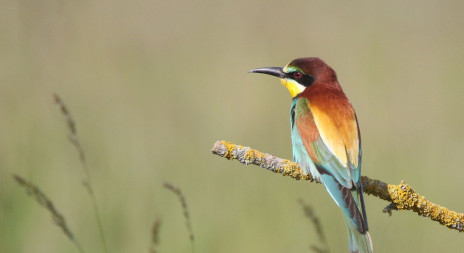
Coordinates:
305	80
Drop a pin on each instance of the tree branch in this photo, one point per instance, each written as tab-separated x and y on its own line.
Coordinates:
402	196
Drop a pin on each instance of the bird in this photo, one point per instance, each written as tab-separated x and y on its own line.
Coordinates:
326	139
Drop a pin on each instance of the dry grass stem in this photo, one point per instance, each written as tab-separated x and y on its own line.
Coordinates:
402	196
311	215
181	196
87	182
155	235
71	126
44	201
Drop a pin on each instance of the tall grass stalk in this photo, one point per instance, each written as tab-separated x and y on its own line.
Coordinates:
311	215
183	202
87	181
44	201
155	235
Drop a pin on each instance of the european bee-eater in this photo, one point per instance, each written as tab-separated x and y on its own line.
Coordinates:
326	139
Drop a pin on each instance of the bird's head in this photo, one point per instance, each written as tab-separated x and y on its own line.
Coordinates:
300	74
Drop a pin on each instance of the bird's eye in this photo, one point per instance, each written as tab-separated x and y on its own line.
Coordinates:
297	74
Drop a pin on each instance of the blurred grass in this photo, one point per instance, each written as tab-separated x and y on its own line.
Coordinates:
152	85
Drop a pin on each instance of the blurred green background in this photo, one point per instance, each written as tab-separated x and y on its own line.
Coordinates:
153	84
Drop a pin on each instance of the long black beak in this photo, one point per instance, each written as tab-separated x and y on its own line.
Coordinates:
273	71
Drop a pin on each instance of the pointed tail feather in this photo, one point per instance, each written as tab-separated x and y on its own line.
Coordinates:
352	204
358	243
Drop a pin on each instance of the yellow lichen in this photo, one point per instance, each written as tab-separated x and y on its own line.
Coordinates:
251	155
402	195
405	198
229	148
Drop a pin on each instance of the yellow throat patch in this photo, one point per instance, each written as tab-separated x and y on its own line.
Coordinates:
293	87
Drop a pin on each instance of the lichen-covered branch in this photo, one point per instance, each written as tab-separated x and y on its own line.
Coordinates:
402	196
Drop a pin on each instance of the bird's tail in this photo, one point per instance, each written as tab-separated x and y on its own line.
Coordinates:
358	243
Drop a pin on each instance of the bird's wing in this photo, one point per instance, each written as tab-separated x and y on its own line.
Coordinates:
332	143
334	146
